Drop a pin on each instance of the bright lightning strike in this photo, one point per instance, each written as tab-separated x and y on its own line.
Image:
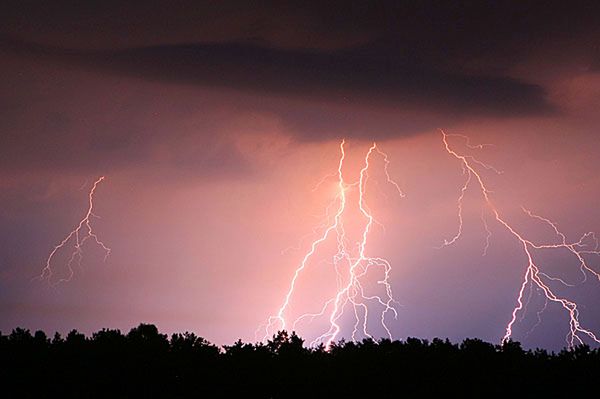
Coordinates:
533	275
78	237
351	263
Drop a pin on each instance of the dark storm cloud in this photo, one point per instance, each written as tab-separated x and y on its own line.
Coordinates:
425	29
372	73
364	74
319	67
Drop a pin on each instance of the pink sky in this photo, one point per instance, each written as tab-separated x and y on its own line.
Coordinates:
207	185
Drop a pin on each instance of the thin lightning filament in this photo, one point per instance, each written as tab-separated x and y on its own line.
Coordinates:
351	295
77	237
533	275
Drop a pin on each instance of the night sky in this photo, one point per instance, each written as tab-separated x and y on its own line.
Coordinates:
214	121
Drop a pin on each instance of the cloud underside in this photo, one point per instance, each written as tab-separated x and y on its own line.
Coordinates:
366	75
443	58
360	70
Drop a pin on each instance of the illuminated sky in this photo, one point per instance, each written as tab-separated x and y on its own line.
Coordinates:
213	124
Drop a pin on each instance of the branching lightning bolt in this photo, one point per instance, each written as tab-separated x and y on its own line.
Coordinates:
78	236
358	263
533	275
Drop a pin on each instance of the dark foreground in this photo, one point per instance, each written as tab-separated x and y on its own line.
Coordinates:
145	363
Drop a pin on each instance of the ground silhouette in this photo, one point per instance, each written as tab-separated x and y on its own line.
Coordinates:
145	363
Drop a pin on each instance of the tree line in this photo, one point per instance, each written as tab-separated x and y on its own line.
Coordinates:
146	363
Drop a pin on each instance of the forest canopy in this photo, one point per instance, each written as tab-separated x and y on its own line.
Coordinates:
146	363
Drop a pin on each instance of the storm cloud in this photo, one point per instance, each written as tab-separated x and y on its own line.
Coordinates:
215	121
369	74
447	61
109	85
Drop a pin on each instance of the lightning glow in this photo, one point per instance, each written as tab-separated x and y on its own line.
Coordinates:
533	275
351	263
78	237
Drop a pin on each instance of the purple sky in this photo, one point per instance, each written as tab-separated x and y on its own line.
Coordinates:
213	123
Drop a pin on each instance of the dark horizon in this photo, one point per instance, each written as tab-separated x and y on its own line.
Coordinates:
145	363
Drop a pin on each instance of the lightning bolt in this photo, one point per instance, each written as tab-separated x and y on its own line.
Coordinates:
533	275
78	236
357	263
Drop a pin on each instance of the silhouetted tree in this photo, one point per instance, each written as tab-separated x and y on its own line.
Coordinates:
144	363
